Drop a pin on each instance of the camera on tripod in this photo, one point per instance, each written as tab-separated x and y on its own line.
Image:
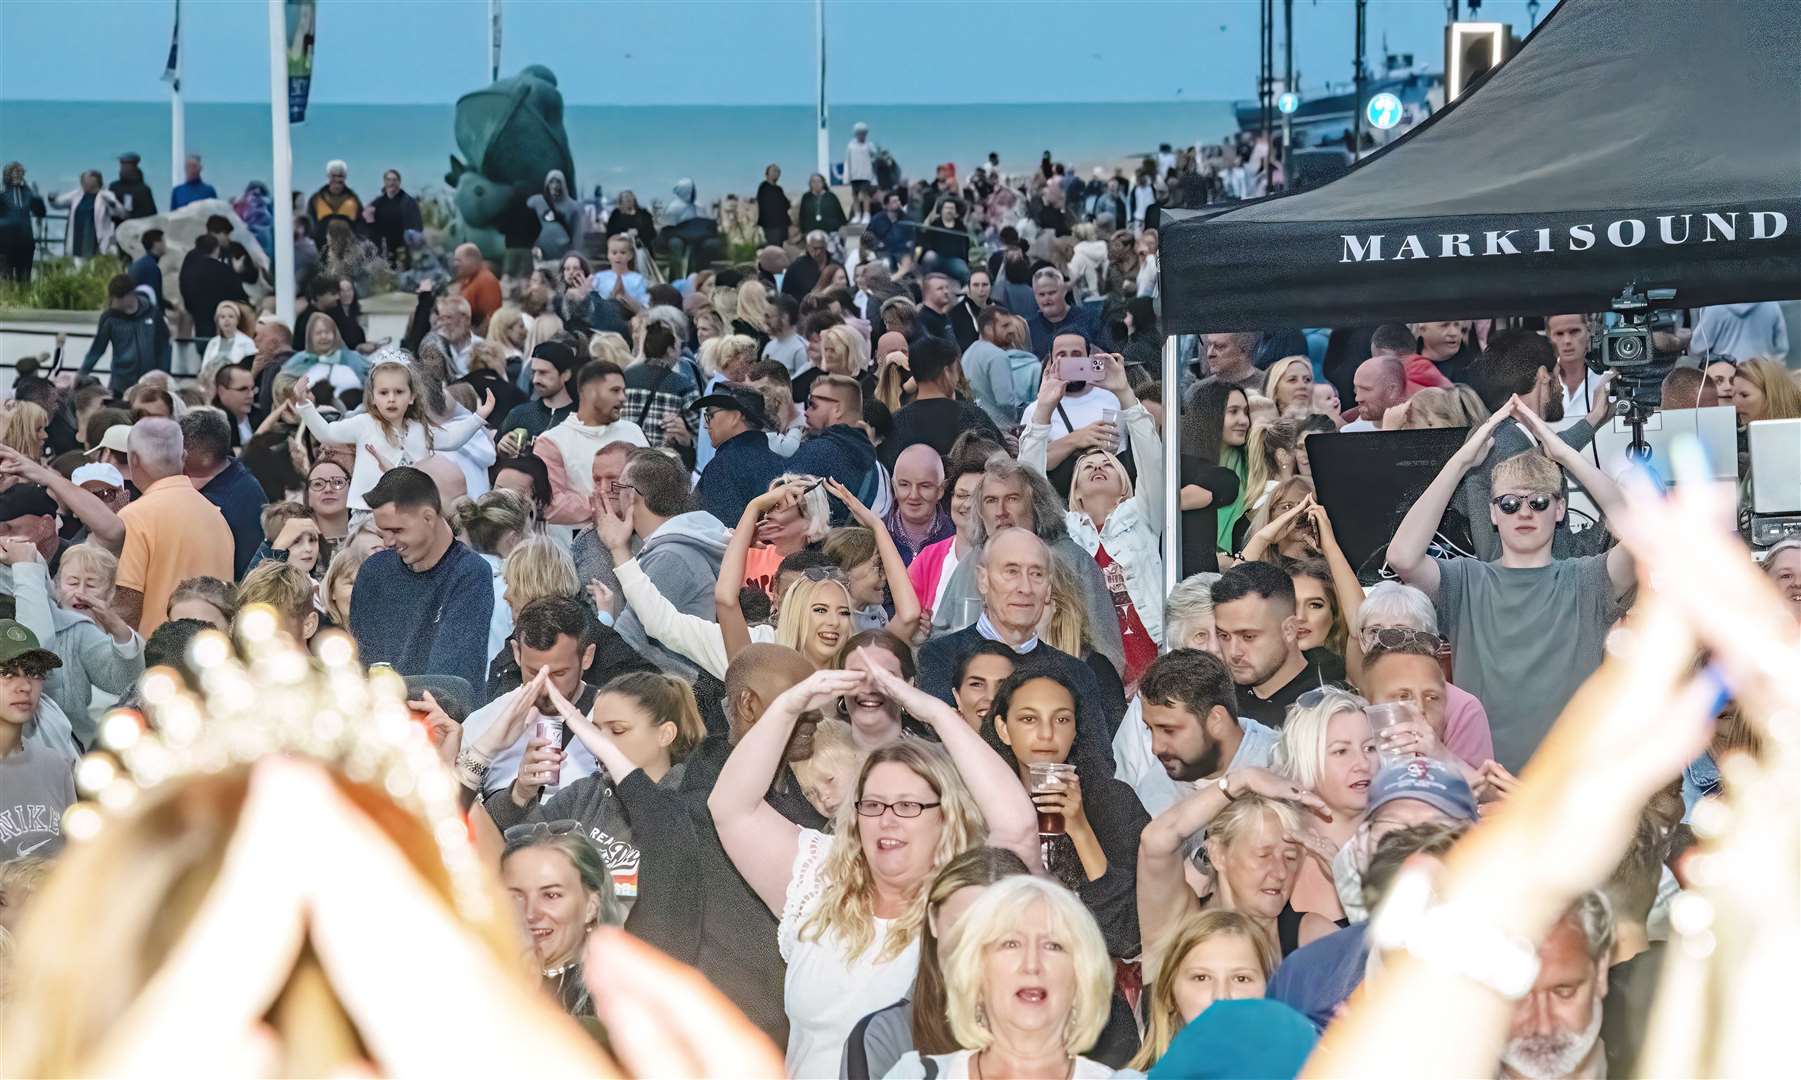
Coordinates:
1626	349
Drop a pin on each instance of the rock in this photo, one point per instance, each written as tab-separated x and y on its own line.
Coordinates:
180	229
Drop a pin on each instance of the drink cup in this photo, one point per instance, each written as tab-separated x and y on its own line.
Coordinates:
1110	417
551	729
1384	716
1046	777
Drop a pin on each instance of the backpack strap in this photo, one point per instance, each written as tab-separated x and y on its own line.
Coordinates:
644	410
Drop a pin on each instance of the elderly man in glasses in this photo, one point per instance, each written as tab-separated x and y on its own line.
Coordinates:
1526	629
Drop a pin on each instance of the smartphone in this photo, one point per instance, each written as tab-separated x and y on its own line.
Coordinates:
1082	369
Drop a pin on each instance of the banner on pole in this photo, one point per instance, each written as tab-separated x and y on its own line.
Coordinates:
301	15
172	69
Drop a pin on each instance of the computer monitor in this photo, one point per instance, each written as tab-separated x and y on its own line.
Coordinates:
1368	480
1715	428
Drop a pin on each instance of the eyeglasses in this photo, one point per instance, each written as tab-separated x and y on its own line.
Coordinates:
1398	638
532	829
906	808
1510	504
328	484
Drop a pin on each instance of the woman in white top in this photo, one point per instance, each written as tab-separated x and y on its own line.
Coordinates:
1327	747
851	904
1028	988
1105	510
394	425
233	342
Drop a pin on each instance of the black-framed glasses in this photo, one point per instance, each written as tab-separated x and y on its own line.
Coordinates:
906	808
532	829
1510	504
1399	637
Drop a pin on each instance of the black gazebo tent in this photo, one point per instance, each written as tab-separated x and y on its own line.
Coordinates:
1656	141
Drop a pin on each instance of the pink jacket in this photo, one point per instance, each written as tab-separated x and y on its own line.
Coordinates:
923	572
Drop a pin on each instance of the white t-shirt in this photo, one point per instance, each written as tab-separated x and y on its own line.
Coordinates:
578	761
1083	409
859	164
823	993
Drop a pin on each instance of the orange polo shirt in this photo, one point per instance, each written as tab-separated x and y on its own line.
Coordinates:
482	290
172	533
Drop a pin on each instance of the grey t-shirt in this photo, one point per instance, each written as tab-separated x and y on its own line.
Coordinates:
1523	640
37	783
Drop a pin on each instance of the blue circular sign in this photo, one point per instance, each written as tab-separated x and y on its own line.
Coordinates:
1288	102
1383	111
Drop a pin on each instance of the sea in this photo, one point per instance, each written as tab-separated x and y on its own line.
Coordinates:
723	149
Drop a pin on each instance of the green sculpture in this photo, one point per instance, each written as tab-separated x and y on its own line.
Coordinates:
512	135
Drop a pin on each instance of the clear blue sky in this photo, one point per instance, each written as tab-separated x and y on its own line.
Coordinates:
695	52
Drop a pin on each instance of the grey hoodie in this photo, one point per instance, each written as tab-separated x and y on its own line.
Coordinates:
682	560
1741	331
90	656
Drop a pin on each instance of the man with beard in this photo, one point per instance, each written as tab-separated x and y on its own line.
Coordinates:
1556	1029
1191	709
1254	613
1524	363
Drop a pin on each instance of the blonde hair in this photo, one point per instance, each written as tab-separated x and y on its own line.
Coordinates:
994	915
845	910
1781	397
85	557
891	386
344	564
1272	382
706	317
486	522
1529	471
1070	624
731	347
246	323
1260	450
415	409
611	347
833	748
276	515
504	319
1162	1020
130	896
1241	815
1300	753
25	428
538	567
487	355
848	341
280	585
1445	407
668	700
1266	509
1261	409
791	623
753	305
814	506
1119	469
540	330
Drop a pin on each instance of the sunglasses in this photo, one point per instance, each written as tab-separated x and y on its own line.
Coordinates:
1399	638
906	808
532	829
823	573
1510	504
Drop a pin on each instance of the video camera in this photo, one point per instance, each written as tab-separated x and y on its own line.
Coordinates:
1626	349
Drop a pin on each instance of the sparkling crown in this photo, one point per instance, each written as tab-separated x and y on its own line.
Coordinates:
277	700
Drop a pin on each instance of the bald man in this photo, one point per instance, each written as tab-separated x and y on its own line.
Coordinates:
716	923
919	518
477	284
453	486
1381	384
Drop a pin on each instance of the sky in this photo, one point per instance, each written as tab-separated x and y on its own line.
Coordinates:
711	52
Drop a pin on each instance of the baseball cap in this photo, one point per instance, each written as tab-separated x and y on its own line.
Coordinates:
739	398
17	642
561	356
97	471
26	500
115	439
130	157
1427	780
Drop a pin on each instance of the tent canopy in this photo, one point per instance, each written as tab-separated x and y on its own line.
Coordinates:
1656	142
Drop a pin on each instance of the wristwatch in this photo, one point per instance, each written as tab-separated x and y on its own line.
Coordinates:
1226	788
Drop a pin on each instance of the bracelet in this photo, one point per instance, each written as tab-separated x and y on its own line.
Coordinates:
472	769
1452	940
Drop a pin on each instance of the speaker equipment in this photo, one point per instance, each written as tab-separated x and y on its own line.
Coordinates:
1368	480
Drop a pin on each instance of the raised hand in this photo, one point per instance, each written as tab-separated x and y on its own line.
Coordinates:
1270	786
863	515
819	690
541	765
487	405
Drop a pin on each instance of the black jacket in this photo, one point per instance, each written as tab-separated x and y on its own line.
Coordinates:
740	470
205	284
772	206
1096	716
612	656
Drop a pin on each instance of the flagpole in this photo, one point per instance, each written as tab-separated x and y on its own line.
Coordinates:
178	117
493	40
824	130
282	185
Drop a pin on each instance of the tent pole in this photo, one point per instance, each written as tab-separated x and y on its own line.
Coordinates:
1287	87
1357	94
1172	459
281	270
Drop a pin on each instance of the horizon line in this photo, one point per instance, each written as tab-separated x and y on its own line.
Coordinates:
163	102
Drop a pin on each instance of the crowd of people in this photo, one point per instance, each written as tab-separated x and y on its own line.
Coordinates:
808	619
